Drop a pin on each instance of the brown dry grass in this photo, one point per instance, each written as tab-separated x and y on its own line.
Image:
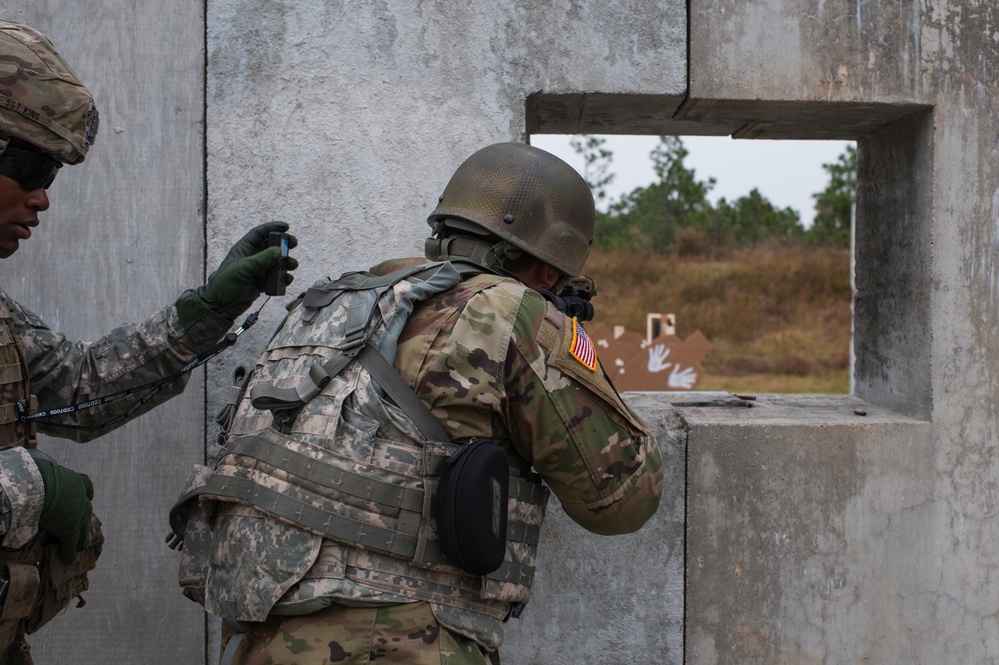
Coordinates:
779	319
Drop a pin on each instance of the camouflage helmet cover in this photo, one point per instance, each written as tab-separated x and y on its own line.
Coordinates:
526	196
41	99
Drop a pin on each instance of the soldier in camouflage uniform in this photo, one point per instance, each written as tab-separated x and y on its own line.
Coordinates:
491	357
47	119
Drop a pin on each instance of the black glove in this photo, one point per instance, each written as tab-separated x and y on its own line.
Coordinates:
66	509
239	279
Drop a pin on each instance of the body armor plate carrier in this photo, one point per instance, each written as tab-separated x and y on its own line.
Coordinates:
323	395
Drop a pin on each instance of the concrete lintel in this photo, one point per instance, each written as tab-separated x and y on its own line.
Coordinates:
797	120
599	113
603	113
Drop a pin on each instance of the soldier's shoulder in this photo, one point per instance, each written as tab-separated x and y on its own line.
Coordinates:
531	315
10	308
507	294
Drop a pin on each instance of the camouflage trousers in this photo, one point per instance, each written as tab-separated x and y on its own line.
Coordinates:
340	635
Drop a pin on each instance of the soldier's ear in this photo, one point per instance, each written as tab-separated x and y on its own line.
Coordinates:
537	274
547	275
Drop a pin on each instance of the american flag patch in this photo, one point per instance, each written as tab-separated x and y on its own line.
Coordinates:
582	348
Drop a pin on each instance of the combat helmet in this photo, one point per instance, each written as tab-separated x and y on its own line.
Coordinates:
526	197
41	99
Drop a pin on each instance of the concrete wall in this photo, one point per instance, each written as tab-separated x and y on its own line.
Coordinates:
809	532
900	513
807	535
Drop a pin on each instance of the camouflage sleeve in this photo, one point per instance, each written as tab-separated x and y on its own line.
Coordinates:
63	372
599	458
493	358
23	494
386	267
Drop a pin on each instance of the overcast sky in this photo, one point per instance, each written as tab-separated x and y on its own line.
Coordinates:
786	172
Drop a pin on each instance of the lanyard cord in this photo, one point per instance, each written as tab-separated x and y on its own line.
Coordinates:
154	387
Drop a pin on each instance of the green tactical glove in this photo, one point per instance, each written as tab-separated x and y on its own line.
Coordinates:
239	279
66	509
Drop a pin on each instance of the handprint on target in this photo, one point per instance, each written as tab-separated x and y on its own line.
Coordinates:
681	378
657	358
667	363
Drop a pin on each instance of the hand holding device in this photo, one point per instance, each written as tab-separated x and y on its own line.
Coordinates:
276	278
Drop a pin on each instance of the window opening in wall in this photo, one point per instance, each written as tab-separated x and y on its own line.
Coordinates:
742	246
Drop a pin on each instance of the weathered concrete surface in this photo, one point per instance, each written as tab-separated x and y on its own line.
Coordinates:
807	530
814	69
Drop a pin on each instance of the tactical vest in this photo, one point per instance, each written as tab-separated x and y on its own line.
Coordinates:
339	473
40	585
13	387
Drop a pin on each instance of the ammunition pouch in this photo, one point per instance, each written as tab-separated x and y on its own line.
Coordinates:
40	586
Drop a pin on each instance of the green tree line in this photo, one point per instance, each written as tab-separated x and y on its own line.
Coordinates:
673	215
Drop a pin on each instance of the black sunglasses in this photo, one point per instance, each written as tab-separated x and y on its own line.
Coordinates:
30	169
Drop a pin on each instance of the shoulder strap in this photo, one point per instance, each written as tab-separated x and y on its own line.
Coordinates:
395	387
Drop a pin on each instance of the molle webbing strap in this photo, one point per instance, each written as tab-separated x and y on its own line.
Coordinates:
530	493
463	593
298	507
322	498
10	373
270	398
393	384
513	572
327	475
9	414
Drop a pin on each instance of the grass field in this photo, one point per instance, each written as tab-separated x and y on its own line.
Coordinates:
778	319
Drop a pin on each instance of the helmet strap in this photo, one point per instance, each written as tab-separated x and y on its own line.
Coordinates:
486	252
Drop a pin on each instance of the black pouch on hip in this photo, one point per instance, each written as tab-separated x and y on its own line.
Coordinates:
470	506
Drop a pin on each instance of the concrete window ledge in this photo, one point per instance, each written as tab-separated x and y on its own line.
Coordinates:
722	408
